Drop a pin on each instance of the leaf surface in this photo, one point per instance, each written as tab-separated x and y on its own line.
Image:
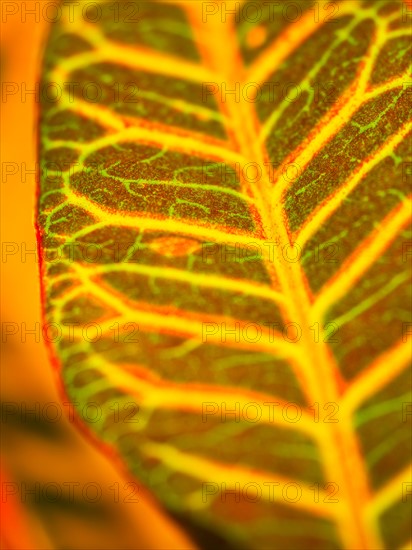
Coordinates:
223	215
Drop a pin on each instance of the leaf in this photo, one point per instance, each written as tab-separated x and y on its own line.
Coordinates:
246	173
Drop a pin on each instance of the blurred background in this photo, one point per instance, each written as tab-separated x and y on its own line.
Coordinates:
41	457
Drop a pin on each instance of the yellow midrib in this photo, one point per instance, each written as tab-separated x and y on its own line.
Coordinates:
342	460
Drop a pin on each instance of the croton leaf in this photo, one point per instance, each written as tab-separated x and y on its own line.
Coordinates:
223	220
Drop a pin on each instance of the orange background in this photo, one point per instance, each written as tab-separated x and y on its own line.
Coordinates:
29	453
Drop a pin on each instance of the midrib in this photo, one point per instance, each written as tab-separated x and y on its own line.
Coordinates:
340	451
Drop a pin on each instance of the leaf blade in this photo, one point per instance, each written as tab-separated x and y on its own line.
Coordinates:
103	203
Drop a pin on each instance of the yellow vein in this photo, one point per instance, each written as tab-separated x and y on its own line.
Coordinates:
187	324
372	299
209	470
164	138
390	493
307	80
245	288
290	39
320	375
334	201
98	113
376	376
351	100
398	82
364	256
174	183
244	138
159	393
105	116
107	217
134	57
